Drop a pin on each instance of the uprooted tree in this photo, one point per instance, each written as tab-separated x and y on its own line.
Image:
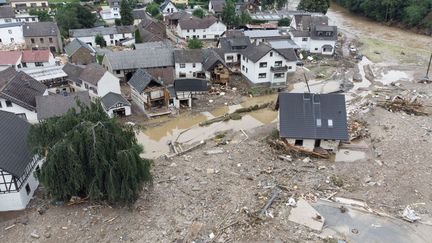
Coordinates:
90	155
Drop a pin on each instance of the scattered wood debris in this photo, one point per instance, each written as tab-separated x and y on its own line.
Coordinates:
409	106
294	151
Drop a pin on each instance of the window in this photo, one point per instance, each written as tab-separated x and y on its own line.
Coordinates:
193	65
262	75
27	188
246	70
41	40
330	122
38	64
318	122
306	96
271	53
12	39
279	75
32	40
182	75
243	68
289	67
24	65
8	103
278	64
10	31
243	58
50	40
111	41
328	33
298	142
117	71
204	36
263	64
43	4
8	20
316	99
193	30
33	5
111	36
304	39
316	49
187	30
182	65
33	19
230	58
1	105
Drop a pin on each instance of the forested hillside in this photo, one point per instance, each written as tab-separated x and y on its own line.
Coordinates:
415	13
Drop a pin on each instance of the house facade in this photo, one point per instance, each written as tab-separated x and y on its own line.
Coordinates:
43	35
112	35
80	53
167	7
207	28
7	15
188	89
17	163
24	6
262	64
11	35
116	105
232	47
188	63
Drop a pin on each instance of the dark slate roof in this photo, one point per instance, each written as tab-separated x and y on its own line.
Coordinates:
298	114
73	71
300	33
211	58
75	45
144	58
288	53
190	84
153	45
321	28
102	30
192	22
139	14
111	99
256	52
15	153
6	12
40	29
21	89
164	4
141	79
188	56
229	44
57	105
178	15
218	5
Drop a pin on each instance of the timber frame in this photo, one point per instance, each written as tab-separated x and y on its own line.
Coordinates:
12	183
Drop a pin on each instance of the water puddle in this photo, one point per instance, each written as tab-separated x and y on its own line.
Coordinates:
345	155
393	76
185	128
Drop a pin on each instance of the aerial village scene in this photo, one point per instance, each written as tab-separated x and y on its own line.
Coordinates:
216	121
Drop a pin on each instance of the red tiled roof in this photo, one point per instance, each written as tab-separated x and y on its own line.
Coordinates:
35	56
9	57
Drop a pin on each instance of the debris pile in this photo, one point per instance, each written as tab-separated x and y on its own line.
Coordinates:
294	151
357	129
410	106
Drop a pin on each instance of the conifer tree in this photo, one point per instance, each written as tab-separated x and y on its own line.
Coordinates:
126	13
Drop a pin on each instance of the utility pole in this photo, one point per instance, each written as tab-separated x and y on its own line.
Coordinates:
427	72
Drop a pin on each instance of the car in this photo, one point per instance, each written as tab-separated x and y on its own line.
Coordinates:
300	63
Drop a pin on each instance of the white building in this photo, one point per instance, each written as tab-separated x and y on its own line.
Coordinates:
7	14
188	63
109	14
232	47
17	163
116	105
11	35
112	35
27	59
262	64
167	7
185	90
207	28
18	93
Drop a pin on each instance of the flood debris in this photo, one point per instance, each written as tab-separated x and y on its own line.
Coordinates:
409	214
411	106
269	202
294	151
214	151
306	215
357	129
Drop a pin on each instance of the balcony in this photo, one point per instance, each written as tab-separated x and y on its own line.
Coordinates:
279	69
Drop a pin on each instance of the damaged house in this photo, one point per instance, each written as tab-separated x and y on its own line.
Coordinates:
149	94
312	120
187	89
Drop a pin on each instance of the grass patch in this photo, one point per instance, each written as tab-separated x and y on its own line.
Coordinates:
260	90
62	1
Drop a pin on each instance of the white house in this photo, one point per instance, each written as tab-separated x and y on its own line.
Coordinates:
11	36
18	93
112	35
185	90
111	12
264	64
27	59
232	47
93	78
167	7
7	14
17	163
207	28
116	105
188	63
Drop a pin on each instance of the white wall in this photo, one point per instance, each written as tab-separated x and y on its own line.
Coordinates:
304	45
138	99
188	69
109	41
316	46
234	55
49	63
169	8
27	18
210	33
110	112
108	83
16	109
7	20
15	32
19	200
110	13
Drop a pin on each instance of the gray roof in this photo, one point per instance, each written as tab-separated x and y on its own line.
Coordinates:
266	34
144	58
101	30
218	5
153	45
139	13
13	24
288	53
15	153
141	79
111	99
324	29
73	71
6	12
178	15
300	33
92	73
190	84
229	44
283	44
40	29
192	22
256	52
188	56
21	89
300	115
75	45
211	58
49	106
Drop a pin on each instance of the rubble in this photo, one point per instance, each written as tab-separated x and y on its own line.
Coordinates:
306	215
409	214
407	105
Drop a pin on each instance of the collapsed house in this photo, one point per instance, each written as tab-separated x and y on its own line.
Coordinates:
185	90
312	120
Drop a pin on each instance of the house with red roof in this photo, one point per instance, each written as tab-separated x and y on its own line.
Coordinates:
27	59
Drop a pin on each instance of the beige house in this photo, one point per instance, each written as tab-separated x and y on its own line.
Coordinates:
24	6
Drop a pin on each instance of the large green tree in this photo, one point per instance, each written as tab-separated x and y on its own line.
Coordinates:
43	15
99	40
90	154
195	44
153	9
126	13
74	16
320	6
229	16
198	13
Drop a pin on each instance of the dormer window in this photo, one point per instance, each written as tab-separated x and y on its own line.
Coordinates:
330	123
316	99
318	123
306	96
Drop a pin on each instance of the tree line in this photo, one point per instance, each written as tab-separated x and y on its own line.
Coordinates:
411	12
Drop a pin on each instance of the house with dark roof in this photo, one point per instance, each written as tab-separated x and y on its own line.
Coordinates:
56	105
201	64
112	35
186	90
216	6
148	93
17	163
80	53
116	105
207	28
43	35
312	120
18	93
7	14
262	64
93	78
232	47
152	30
167	7
159	62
